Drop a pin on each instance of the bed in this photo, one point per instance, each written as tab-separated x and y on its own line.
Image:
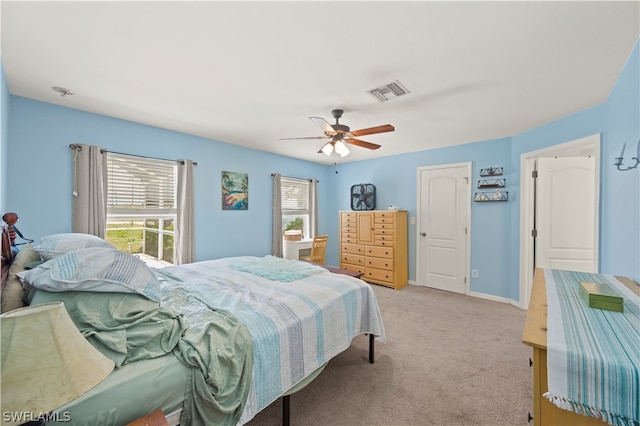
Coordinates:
212	342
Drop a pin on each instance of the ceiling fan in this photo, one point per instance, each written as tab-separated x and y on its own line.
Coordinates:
339	135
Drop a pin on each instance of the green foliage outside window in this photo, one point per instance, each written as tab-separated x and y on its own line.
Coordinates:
296	223
127	240
151	248
132	237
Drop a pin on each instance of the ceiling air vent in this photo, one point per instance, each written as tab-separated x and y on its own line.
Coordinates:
390	91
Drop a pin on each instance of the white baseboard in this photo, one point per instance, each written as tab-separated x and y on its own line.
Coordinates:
491	297
483	296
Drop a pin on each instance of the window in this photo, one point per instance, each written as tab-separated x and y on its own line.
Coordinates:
295	205
141	206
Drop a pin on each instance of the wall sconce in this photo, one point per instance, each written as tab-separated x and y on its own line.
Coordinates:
620	157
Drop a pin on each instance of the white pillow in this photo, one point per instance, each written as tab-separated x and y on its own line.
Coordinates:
95	269
55	245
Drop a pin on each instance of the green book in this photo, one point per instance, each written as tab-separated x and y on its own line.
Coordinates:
601	296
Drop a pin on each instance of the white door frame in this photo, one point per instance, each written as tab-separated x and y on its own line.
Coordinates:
589	145
468	224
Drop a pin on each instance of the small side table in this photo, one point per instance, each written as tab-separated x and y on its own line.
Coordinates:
154	419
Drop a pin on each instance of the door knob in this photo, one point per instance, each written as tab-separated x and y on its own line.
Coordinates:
424	234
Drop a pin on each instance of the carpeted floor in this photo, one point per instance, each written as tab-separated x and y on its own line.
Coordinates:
449	360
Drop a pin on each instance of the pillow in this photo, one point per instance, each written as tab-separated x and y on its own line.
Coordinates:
95	269
12	291
55	245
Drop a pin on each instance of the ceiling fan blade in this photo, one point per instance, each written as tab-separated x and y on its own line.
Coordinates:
373	130
304	138
324	124
362	143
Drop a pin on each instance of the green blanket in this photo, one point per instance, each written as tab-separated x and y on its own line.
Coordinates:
128	327
217	344
125	327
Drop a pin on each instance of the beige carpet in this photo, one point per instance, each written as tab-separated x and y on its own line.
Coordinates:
449	360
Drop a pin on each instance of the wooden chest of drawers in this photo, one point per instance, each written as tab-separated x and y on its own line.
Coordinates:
375	244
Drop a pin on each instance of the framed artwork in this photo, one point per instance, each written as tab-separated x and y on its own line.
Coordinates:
235	191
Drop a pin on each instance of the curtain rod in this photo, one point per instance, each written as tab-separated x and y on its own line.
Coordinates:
289	177
79	147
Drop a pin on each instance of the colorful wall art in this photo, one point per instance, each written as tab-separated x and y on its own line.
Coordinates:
235	191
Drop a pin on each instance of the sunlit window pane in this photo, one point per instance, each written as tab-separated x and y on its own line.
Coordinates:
141	210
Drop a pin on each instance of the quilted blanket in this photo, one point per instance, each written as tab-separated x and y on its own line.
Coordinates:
296	326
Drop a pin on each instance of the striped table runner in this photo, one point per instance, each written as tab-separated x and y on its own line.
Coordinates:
593	355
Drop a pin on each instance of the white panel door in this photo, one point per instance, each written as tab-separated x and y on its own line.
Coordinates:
443	221
566	214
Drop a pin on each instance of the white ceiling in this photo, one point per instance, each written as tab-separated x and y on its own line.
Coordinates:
250	73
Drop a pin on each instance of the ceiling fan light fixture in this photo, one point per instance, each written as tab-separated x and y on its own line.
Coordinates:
327	149
341	149
339	135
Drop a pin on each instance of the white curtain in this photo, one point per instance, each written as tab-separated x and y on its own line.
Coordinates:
313	206
185	229
89	208
276	241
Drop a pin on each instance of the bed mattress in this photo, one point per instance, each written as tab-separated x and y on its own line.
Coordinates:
135	388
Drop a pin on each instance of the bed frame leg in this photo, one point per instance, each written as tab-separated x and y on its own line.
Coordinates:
286	400
285	409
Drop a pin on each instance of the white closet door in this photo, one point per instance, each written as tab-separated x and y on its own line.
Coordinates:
566	214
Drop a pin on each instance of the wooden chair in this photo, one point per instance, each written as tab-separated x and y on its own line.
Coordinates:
318	250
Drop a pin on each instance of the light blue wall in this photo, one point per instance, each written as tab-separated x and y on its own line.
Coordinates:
396	182
620	213
576	126
36	182
41	177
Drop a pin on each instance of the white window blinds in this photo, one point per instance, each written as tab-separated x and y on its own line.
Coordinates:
141	185
295	195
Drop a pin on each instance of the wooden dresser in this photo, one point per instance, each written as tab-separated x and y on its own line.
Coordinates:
535	335
375	243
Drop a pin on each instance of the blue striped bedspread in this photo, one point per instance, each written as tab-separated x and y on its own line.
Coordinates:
593	355
295	326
